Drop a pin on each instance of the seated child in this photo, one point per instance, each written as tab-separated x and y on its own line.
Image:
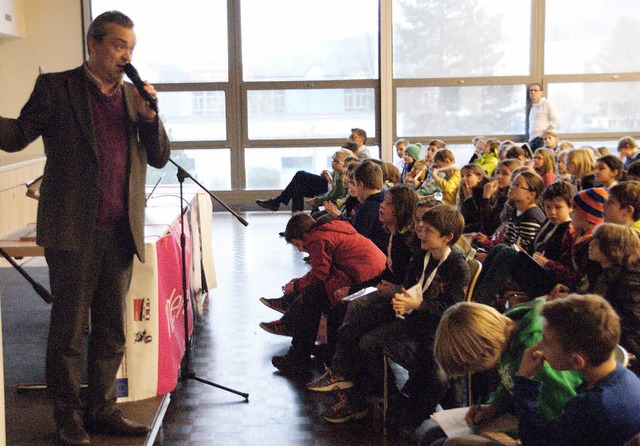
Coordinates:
623	205
472	181
494	197
413	164
438	276
473	337
340	258
628	148
609	171
633	171
504	262
367	187
486	154
551	140
574	271
307	185
526	218
336	188
617	249
444	178
579	333
581	164
399	158
544	163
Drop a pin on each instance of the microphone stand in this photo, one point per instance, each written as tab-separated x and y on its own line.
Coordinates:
42	291
187	370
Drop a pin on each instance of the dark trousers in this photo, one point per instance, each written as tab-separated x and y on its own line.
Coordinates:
97	279
536	143
303	317
362	315
303	184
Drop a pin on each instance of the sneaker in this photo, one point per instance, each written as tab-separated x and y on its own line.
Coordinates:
329	382
279	304
343	411
291	363
277	328
272	204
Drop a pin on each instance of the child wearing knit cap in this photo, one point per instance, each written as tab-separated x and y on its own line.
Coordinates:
574	270
413	164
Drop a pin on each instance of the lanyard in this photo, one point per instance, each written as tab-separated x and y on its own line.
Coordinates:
427	257
389	261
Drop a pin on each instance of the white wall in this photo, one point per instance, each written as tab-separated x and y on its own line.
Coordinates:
53	40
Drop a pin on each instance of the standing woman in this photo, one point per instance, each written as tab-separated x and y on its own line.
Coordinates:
617	249
581	164
609	171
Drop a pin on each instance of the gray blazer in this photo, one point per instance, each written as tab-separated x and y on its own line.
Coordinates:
59	110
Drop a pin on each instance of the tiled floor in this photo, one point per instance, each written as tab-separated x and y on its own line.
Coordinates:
234	351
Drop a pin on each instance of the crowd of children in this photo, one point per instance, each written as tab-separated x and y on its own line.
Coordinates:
546	224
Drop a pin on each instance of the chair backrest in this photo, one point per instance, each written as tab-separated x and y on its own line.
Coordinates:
622	355
635	441
475	267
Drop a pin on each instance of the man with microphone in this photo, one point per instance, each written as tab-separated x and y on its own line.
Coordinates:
99	135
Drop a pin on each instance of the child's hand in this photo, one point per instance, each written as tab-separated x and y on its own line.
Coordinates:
403	302
288	288
532	361
489	189
558	292
480	238
542	260
479	415
434	172
331	209
386	288
312	202
327	175
466	190
341	292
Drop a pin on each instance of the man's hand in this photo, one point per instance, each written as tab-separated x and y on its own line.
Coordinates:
144	110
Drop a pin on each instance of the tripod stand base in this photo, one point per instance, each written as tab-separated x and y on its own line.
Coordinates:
189	374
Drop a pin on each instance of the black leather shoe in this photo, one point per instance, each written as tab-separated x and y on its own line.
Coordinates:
71	432
116	424
272	204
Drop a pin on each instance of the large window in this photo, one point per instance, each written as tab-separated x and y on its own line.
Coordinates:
252	91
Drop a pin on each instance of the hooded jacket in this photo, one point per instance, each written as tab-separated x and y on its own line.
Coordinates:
339	257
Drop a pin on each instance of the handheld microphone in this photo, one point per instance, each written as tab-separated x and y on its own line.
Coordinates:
132	74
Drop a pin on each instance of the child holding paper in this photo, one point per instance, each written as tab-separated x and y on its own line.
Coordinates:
474	337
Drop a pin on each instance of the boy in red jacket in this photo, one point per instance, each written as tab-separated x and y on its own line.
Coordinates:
340	258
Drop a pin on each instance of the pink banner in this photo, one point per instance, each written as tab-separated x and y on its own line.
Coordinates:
171	342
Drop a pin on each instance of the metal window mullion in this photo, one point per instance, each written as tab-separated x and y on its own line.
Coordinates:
236	121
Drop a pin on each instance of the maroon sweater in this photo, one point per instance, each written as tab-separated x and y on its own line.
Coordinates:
110	123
